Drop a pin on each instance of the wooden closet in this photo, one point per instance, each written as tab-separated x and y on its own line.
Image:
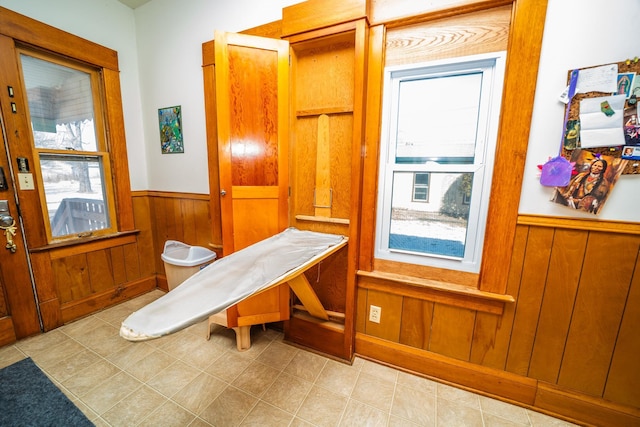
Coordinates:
320	129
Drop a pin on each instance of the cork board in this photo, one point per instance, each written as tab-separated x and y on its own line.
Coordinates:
628	83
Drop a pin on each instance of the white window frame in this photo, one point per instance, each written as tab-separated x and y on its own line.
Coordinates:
492	66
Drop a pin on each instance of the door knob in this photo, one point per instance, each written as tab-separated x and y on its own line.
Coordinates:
223	192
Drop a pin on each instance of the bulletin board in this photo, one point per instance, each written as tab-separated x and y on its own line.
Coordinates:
629	85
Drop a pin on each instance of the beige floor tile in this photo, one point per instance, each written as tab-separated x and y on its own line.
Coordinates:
306	365
168	414
228	366
107	394
265	415
135	408
229	408
491	420
199	393
277	355
457	395
104	340
452	414
417	383
10	355
287	392
504	410
130	354
256	379
44	342
418	406
358	414
338	377
401	422
81	327
374	391
150	365
91	376
380	371
173	378
542	420
45	359
68	367
322	407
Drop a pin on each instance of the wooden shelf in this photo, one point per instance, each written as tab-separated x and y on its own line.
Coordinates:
327	111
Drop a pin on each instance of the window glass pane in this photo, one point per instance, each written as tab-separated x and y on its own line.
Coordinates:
74	194
60	104
437	227
439	119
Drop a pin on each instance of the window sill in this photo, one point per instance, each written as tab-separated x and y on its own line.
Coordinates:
86	244
433	290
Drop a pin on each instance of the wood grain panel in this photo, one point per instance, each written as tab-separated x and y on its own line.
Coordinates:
476	33
260	217
71	278
415	326
451	331
623	380
361	310
100	272
333	88
598	311
492	334
119	271
391	312
7	333
328	280
254	126
145	241
309	15
534	272
398	12
132	260
557	304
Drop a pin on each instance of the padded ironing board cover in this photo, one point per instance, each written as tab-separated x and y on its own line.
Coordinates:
226	282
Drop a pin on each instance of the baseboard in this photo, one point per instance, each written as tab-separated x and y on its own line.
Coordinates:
585	408
7	333
489	381
512	388
75	310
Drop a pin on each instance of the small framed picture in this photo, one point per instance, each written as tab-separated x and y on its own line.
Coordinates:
170	120
631	152
625	83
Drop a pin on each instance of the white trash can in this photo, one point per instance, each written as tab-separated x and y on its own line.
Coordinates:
181	261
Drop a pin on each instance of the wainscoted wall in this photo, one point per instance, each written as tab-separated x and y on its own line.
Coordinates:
172	216
568	344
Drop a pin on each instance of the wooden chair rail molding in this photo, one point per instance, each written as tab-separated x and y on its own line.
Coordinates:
620	227
433	290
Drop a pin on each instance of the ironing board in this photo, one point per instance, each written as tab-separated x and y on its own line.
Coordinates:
277	260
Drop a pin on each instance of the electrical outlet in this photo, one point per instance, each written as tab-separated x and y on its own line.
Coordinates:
374	313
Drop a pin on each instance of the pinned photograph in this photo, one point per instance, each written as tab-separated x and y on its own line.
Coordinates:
595	177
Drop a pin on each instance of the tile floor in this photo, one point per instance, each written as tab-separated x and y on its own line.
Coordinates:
184	380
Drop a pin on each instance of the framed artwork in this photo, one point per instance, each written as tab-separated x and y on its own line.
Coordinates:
170	120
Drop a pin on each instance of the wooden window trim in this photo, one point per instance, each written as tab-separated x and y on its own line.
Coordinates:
523	55
23	30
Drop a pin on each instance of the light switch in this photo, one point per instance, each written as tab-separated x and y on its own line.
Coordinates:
26	181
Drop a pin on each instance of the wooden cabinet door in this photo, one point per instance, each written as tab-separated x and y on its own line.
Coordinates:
252	103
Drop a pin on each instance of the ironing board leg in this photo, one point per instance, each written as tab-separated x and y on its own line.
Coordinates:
243	337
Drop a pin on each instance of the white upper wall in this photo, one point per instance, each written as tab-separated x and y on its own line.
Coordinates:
577	34
170	37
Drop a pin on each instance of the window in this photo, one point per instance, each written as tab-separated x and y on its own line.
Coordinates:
64	99
439	135
420	187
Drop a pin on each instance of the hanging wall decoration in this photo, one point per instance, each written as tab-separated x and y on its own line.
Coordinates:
170	120
590	187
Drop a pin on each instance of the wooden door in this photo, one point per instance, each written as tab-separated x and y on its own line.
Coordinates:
252	102
18	308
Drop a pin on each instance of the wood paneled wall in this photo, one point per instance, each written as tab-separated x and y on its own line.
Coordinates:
172	216
573	327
